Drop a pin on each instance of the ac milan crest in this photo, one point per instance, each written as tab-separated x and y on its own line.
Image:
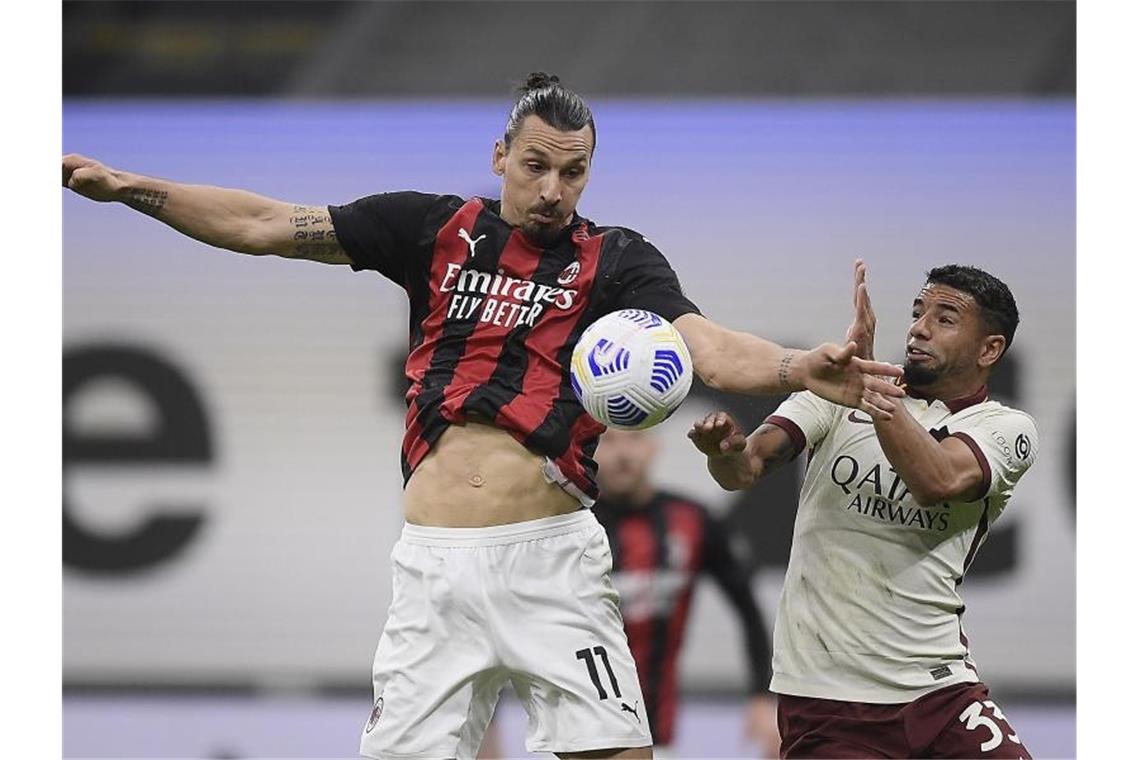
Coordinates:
569	273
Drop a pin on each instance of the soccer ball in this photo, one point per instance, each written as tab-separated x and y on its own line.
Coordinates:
631	369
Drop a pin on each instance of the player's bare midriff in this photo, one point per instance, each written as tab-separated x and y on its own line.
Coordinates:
478	475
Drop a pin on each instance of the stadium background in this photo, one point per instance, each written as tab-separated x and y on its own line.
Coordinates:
231	424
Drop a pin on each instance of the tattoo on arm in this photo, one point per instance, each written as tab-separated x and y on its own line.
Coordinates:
774	446
147	201
313	235
785	369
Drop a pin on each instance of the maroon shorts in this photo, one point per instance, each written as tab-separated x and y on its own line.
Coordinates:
956	721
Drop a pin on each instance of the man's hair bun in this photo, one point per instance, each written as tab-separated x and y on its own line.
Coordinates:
538	80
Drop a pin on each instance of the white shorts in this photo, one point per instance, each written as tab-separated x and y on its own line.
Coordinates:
473	608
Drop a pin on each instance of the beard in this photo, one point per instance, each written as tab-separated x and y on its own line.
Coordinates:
918	376
542	235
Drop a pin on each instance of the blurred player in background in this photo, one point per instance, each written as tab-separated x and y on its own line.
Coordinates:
871	659
660	543
490	582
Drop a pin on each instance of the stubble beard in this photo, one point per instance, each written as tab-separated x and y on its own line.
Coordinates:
917	376
542	235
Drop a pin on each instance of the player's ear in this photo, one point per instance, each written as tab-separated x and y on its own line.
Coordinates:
993	347
499	158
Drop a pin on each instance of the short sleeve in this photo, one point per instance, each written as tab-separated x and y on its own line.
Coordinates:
646	281
806	418
1005	444
383	231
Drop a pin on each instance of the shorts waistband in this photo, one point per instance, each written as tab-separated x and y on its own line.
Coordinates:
511	533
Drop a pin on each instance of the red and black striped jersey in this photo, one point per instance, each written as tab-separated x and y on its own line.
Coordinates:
494	317
659	549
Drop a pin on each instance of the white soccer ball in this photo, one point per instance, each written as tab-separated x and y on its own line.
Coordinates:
631	369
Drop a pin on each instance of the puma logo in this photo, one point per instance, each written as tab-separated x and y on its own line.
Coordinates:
465	235
627	708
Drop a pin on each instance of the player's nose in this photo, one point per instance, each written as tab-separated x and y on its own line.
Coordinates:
551	190
918	328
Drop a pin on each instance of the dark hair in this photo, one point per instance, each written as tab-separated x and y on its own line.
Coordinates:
561	108
999	310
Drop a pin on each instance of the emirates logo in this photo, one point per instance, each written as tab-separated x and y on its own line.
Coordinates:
569	273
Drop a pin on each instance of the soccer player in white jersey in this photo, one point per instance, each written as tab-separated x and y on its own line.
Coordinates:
869	655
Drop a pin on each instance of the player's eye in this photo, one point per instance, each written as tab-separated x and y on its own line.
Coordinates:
534	166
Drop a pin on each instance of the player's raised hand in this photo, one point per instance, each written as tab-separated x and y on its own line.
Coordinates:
862	329
836	374
90	178
717	434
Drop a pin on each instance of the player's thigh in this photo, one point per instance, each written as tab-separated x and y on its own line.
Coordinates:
567	651
977	729
823	728
435	678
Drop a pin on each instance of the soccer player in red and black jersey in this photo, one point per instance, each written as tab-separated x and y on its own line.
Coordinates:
661	543
499	575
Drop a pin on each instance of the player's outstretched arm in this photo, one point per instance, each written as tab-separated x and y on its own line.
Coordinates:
934	471
743	363
736	462
236	220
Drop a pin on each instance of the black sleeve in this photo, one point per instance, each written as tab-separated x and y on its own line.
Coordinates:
384	231
646	281
720	562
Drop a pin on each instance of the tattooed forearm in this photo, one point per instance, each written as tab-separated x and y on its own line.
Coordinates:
147	201
313	235
305	217
784	372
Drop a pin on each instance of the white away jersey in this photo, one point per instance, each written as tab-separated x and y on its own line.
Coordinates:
870	610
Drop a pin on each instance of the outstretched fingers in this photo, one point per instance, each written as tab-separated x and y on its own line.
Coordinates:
717	432
844	354
883	386
863	303
862	296
878	406
872	367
